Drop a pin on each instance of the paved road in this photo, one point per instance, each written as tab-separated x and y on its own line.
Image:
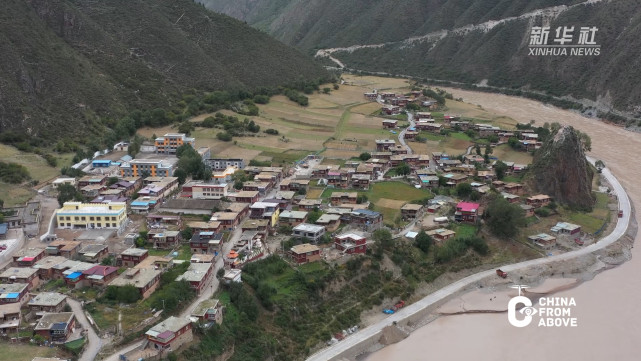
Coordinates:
335	351
94	343
401	135
6	256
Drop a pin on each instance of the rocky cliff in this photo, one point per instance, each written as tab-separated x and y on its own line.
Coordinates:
561	171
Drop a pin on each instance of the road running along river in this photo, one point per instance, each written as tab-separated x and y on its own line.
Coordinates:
608	323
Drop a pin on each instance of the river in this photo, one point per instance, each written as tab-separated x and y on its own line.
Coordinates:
608	325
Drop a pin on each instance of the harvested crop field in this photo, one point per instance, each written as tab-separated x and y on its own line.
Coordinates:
390	203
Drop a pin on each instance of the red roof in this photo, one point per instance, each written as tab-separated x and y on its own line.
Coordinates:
467	207
100	270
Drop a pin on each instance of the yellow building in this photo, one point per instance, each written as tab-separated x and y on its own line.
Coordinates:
89	215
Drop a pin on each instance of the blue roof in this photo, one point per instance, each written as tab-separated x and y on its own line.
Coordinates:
3	228
74	275
140	203
13	295
106	161
207	233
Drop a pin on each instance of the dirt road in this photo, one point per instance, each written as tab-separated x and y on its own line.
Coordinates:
94	343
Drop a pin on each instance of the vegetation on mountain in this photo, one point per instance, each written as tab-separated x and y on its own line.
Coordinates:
78	67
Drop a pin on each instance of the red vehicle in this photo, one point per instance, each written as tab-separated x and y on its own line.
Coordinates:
501	274
620	214
399	304
578	241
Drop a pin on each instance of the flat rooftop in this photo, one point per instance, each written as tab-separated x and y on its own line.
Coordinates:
47	299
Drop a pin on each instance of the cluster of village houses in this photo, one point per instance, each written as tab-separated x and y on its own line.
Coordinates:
271	200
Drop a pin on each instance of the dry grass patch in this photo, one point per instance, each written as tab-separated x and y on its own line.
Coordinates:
367	108
340	154
390	203
507	154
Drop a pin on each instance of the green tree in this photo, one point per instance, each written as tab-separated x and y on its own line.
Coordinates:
365	156
500	169
314	215
112	181
383	239
181	174
504	218
67	192
108	261
464	190
478	149
326	90
423	241
403	169
187	233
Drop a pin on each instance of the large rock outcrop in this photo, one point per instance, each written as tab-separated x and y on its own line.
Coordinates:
561	171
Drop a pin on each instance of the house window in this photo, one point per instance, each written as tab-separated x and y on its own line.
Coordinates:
91	218
83	218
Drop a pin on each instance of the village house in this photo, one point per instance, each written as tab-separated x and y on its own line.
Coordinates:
164	239
511	198
383	145
486	175
132	256
10	318
228	220
390	123
233	275
366	219
190	206
441	234
145	280
292	218
529	210
305	253
294	185
199	226
14	293
159	187
371	96
309	204
261	187
390	109
466	212
207	311
98	275
343	197
538	201
148	167
52	302
360	181
197	190
170	334
28	257
329	221
71	273
264	210
543	240
205	242
92	179
63	180
411	211
244	196
310	231
23	275
423	115
566	228
94	252
350	243
513	188
198	274
56	327
46	266
499	185
262	226
163	221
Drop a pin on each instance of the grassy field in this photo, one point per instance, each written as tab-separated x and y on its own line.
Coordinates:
24	352
14	194
507	154
387	197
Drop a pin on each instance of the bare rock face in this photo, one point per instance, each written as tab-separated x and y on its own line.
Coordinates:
561	171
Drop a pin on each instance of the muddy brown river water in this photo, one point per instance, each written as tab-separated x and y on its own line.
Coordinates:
607	307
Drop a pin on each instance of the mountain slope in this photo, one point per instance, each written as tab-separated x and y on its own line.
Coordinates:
65	63
469	41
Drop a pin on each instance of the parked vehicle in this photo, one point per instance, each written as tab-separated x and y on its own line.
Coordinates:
620	214
388	311
578	241
501	274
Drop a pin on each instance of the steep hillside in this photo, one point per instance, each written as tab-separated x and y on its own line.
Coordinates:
467	41
561	171
66	64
